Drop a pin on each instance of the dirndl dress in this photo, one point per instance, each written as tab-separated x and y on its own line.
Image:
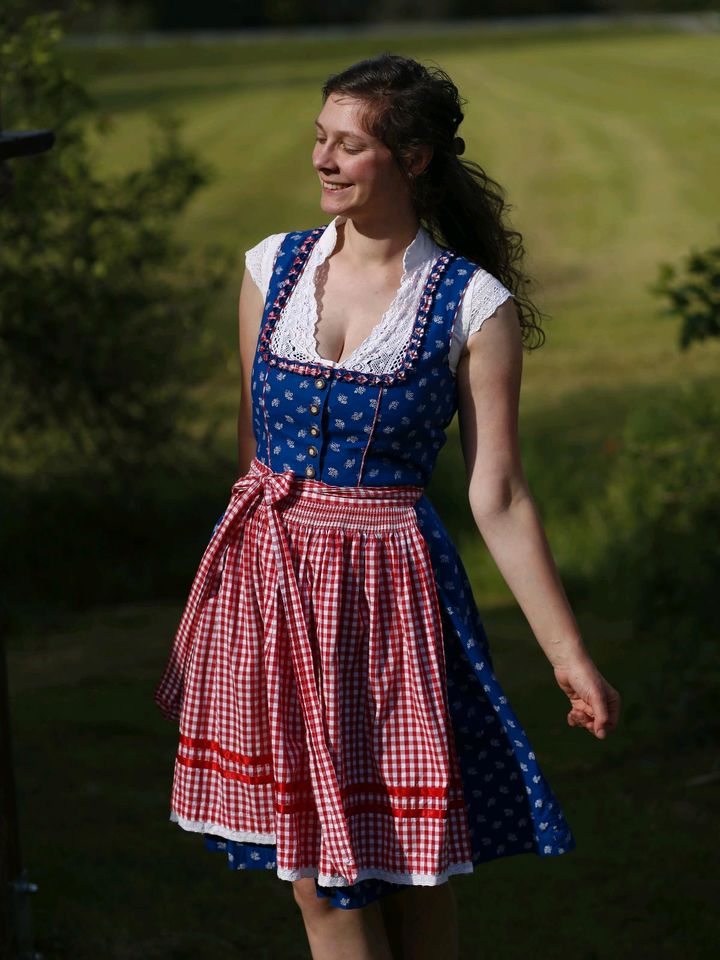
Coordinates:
339	716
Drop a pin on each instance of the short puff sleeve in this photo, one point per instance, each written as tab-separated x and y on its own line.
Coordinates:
259	260
484	294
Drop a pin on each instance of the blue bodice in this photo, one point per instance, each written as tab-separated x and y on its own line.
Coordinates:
350	428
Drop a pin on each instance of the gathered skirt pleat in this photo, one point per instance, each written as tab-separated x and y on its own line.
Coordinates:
324	731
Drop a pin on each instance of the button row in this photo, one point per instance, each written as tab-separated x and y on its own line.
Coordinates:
315	410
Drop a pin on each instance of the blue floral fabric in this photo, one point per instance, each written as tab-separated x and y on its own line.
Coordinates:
388	429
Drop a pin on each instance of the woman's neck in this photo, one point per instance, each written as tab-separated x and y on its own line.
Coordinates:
376	242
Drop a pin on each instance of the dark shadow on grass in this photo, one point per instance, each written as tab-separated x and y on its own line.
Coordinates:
83	539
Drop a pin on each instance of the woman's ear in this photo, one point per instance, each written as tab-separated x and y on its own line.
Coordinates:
419	159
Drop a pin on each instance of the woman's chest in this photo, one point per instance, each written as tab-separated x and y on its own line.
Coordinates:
353	319
349	305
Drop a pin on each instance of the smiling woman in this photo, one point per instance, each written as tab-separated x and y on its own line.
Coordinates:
357	171
340	720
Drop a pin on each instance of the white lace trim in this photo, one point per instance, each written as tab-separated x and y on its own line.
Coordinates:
373	873
324	879
205	826
383	350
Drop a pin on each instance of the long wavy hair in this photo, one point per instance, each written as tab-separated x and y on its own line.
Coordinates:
407	105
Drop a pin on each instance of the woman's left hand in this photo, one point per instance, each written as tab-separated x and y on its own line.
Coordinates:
595	705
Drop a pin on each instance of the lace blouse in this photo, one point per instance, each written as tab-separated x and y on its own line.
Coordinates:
382	351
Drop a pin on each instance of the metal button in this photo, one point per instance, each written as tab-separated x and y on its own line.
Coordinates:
310	471
314	431
312	451
314	408
319	383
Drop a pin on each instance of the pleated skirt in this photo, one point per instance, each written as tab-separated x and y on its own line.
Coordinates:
315	734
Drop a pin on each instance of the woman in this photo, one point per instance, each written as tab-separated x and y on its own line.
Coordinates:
340	721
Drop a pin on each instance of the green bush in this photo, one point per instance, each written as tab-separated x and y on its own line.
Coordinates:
109	481
103	327
693	295
662	512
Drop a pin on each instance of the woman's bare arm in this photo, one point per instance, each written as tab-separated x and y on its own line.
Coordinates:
250	310
489	374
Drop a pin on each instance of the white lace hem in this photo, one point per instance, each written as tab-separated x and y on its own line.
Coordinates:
324	879
374	873
205	826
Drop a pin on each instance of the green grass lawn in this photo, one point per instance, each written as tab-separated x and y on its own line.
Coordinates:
605	141
608	145
118	880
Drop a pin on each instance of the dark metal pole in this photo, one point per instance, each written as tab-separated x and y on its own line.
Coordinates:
9	844
11	872
15	923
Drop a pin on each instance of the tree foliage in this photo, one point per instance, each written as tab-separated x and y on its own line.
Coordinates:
238	14
102	309
662	507
693	292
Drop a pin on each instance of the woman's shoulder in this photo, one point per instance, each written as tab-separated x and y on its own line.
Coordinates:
272	241
477	278
482	282
484	294
260	258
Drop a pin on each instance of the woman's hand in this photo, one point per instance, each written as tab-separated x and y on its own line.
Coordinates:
595	705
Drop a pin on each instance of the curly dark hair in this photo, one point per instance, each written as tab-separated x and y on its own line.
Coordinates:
407	105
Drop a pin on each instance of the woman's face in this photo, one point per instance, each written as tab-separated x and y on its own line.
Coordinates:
359	176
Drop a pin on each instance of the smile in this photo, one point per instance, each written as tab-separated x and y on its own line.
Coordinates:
334	187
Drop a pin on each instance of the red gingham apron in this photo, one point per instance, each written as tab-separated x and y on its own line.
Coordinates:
308	676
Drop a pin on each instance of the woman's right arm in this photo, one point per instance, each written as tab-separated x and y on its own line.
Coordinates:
250	311
508	519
